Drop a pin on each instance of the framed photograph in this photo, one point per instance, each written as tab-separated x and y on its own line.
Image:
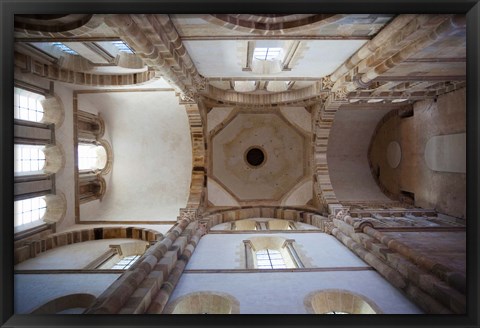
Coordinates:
200	163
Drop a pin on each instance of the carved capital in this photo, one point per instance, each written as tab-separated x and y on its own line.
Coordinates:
199	83
188	213
342	213
341	94
187	97
327	83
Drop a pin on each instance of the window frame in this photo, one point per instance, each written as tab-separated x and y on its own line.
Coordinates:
32	223
41	160
17	105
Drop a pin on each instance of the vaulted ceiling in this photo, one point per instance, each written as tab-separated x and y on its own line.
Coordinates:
274	82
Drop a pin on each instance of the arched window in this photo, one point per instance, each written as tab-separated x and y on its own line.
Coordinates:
271	253
91	157
27	105
29	158
29	212
121	256
270	259
33	212
125	262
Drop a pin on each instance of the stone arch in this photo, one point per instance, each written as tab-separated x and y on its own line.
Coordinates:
52	72
54	158
53	110
106	156
57	25
204	302
56	208
31	247
76	303
290	213
301	97
271	25
337	300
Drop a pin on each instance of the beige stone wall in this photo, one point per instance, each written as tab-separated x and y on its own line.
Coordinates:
443	191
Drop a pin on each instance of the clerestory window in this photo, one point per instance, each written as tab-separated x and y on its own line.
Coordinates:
122	46
27	105
266	252
29	158
267	53
91	156
64	48
113	48
28	211
270	259
126	262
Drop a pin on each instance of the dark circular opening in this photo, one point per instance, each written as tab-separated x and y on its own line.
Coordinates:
255	157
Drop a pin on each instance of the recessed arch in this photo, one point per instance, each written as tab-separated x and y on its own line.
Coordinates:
336	300
96	156
67	304
270	25
204	302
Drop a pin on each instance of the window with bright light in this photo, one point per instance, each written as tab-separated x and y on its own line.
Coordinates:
126	262
270	259
64	48
122	46
267	53
29	158
29	210
27	105
88	157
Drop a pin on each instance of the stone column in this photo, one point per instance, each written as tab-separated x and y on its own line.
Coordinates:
122	290
249	250
293	253
53	111
54	158
452	277
161	298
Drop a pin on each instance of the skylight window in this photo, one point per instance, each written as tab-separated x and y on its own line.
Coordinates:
122	46
126	262
28	158
29	210
267	53
270	259
64	48
27	105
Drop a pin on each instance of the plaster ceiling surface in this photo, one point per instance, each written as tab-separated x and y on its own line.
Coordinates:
152	156
285	150
192	25
318	59
347	156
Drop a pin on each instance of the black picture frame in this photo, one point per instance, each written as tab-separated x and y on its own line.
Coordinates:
11	7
